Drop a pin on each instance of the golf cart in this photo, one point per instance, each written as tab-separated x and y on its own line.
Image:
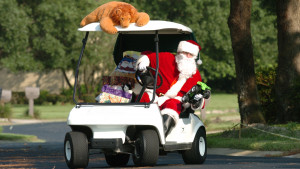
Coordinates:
122	129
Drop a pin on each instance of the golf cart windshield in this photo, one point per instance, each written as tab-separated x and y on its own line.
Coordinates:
156	36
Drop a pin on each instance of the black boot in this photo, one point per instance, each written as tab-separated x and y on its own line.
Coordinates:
169	123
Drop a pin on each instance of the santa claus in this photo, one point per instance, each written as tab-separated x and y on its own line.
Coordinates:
179	74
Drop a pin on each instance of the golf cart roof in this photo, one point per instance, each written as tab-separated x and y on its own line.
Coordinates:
135	38
164	27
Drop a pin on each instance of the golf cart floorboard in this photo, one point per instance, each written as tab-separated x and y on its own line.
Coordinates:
171	146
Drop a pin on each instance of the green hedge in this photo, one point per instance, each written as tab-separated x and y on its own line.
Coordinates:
44	98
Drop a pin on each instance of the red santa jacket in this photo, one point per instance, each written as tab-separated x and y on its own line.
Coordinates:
169	72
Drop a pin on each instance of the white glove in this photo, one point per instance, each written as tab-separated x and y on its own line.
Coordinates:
143	66
161	100
143	62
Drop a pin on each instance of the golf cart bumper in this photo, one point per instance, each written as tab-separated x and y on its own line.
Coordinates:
111	121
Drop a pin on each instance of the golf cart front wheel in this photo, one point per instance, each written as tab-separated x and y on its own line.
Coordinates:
146	148
116	160
76	150
197	154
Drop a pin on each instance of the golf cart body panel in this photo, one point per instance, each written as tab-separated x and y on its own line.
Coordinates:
113	121
101	119
185	130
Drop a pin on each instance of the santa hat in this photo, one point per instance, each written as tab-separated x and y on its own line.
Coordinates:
191	47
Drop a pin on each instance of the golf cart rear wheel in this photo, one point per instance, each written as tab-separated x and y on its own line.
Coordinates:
76	150
116	160
197	154
146	148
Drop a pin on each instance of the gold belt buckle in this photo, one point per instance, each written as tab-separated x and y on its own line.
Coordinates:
161	94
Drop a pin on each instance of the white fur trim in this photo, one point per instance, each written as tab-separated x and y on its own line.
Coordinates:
203	104
143	60
171	113
199	62
173	91
185	46
161	100
178	98
150	93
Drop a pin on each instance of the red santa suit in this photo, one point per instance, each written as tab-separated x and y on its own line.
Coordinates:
174	85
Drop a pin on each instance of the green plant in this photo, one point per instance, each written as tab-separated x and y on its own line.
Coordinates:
5	111
20	137
36	113
292	127
18	98
253	139
265	79
46	98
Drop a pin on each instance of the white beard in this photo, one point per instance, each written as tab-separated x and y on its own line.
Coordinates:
186	66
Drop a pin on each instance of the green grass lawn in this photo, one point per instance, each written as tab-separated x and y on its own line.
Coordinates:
47	112
221	112
253	139
222	101
20	138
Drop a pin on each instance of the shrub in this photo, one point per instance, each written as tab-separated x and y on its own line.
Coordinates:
46	98
5	111
18	98
36	113
265	79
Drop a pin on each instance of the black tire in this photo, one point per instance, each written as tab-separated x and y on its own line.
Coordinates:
146	148
197	154
76	150
116	160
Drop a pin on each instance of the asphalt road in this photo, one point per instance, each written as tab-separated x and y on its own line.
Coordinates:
49	155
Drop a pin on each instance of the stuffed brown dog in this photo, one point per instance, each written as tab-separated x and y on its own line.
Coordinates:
115	13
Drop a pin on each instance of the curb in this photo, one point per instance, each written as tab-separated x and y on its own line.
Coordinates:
6	122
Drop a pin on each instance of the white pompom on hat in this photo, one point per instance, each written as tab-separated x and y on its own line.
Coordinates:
191	47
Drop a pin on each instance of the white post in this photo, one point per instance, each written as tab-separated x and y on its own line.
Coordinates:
5	96
32	93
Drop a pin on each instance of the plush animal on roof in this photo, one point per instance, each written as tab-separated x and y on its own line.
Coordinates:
115	13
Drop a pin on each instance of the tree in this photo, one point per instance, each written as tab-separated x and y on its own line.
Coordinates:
41	35
264	35
15	52
57	43
287	83
239	25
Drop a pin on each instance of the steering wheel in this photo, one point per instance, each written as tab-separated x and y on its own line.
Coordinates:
147	78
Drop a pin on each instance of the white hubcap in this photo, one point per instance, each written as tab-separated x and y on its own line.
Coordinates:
201	146
68	150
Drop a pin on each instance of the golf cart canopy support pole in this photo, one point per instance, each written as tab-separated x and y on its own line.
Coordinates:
77	69
156	40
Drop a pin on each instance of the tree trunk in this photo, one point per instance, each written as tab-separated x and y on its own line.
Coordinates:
66	78
239	25
287	83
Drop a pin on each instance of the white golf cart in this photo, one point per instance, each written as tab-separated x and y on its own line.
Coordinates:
122	129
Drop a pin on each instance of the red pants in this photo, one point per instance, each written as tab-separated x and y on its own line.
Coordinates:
172	104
